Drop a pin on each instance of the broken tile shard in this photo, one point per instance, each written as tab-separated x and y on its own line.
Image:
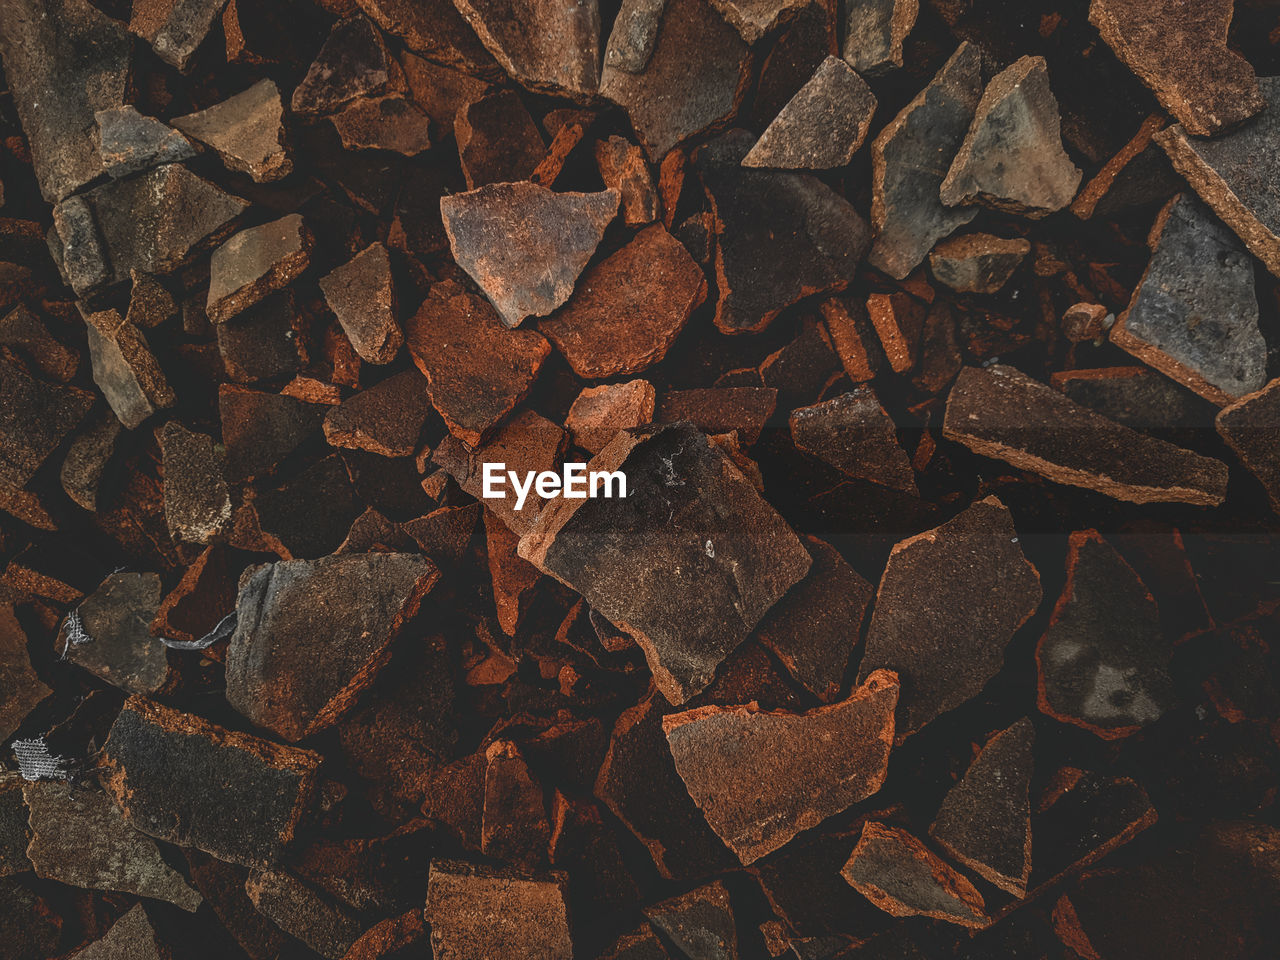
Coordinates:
623	168
1251	427
600	412
874	32
362	295
259	430
478	911
129	142
700	923
175	28
35	418
132	937
353	62
753	19
498	142
977	262
548	47
255	263
246	130
197	503
125	369
391	123
854	434
109	633
325	926
386	419
20	688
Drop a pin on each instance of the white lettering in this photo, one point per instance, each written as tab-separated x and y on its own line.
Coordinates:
575	481
493	475
607	478
548	484
522	490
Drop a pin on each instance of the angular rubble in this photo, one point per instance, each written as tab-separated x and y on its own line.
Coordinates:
150	303
1001	413
700	923
197	503
125	369
909	160
822	126
623	168
323	925
629	308
899	321
514	825
255	263
259	430
1104	659
132	937
720	410
600	412
479	911
1082	818
854	434
948	604
175	28
246	130
1012	158
700	591
353	62
386	419
435	29
513	580
20	688
1194	317
362	295
109	633
524	245
1140	398
762	777
1136	176
498	141
26	335
35	418
264	342
549	48
384	123
754	19
874	32
1085	322
130	142
977	262
1251	427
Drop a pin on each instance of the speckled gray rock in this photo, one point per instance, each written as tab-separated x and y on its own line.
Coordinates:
128	142
977	262
874	31
125	369
255	263
822	126
197	503
132	937
109	634
246	130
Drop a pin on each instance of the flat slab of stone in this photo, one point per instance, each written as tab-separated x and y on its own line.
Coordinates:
949	602
548	47
125	369
387	419
197	502
435	29
132	937
874	32
600	412
246	130
35	418
1251	427
1194	316
391	123
1140	398
977	262
1002	413
362	295
720	410
478	911
20	688
109	633
761	777
623	168
854	434
322	924
129	142
353	62
498	142
255	263
700	923
175	28
259	430
264	342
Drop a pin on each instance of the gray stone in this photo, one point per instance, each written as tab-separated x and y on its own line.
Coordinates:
362	295
35	417
109	633
246	130
977	262
175	28
129	142
197	503
256	263
130	938
125	369
874	31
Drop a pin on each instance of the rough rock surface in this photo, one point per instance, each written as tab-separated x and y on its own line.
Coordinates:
874	31
129	142
326	927
854	434
599	413
386	419
498	141
354	62
35	418
699	923
548	47
175	28
247	131
623	168
1251	427
362	295
20	688
977	262
109	633
197	503
125	369
477	911
255	263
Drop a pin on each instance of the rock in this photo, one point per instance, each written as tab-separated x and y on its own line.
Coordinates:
762	777
874	32
909	161
79	837
354	62
804	368
129	142
899	322
700	923
498	141
514	827
1250	427
303	650
822	126
1001	413
1012	158
132	937
326	927
263	342
435	29
1230	173
255	263
198	606
629	308
151	305
524	245
1194	317
1137	176
440	90
1140	398
20	688
125	369
984	822
853	337
286	514
197	503
246	130
857	436
175	28
676	67
64	61
362	295
35	418
623	168
478	911
949	602
899	874
384	123
689	599
444	534
600	412
259	430
1083	817
977	262
1182	55
1086	322
386	419
548	47
720	410
25	334
780	236
1104	658
109	633
180	778
87	459
477	370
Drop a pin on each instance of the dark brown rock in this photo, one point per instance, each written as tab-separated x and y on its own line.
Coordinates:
999	412
87	459
700	923
125	369
853	337
384	123
222	885
323	925
246	130
440	90
513	579
1250	426
354	62
1085	322
132	937
623	168
754	19
35	418
174	28
26	336
977	262
600	412
255	263
20	688
386	419
477	911
948	604
444	534
259	430
514	825
498	141
197	503
720	410
874	32
109	633
1136	176
435	29
202	599
548	47
362	295
151	305
1140	398
129	142
857	436
263	342
822	126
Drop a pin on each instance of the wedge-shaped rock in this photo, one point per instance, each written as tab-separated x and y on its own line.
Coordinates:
1140	398
35	418
391	123
719	410
259	430
362	295
623	168
1085	817
985	819
1012	158
310	635
435	29
20	688
910	159
477	911
247	131
949	602
780	236
525	245
1194	317
109	633
125	369
180	778
1251	427
325	926
688	562
129	141
1104	659
822	126
386	419
255	263
762	777
1180	51
874	32
353	62
132	937
700	923
1001	413
264	342
857	436
977	262
899	874
546	46
600	412
753	19
498	142
175	28
197	503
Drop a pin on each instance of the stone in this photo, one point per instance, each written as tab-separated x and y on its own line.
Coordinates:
35	418
362	295
435	29
391	123
676	67
600	412
1104	658
175	28
125	369
874	32
197	503
822	126
688	597
854	434
549	48
803	369
755	19
977	262
64	61
524	245
984	822
263	342
260	430
256	263
303	650
1250	427
909	161
198	606
902	877
26	336
444	534
1140	398
1181	53
441	90
387	419
623	168
1194	316
899	321
480	912
326	927
109	633
1086	322
354	62
477	369
130	142
498	141
130	937
761	777
223	887
1012	158
246	130
629	308
514	826
291	525
949	602
151	305
720	410
1083	817
853	337
80	838
180	778
1001	413
21	689
699	923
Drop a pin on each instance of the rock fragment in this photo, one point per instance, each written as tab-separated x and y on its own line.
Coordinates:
1085	322
874	32
353	62
197	503
323	925
24	333
125	369
263	342
132	937
548	47
109	633
498	141
720	410
386	419
623	168
384	123
362	295
514	825
822	126
255	263
949	602
259	430
854	434
477	911
1000	412
1140	398
600	412
1083	817
753	19
435	29
20	688
977	262
1251	426
175	28
129	142
700	923
246	130
35	418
